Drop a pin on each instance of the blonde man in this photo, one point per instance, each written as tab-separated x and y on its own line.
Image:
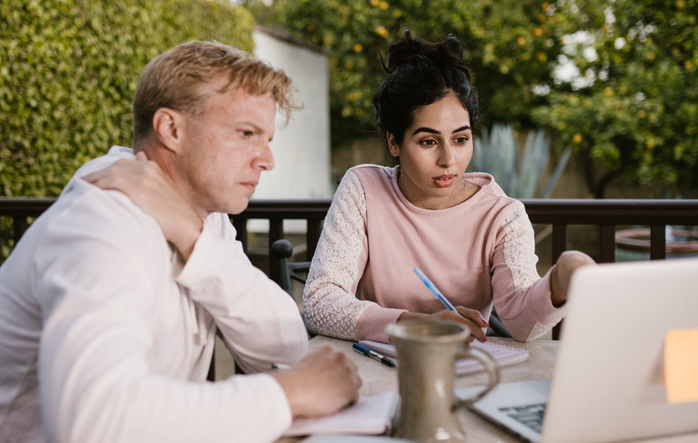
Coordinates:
110	303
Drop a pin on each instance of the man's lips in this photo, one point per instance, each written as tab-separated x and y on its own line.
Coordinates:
252	185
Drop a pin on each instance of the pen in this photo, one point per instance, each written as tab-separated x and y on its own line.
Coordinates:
439	296
374	355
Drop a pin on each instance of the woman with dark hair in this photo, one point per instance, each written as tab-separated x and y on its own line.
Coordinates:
475	243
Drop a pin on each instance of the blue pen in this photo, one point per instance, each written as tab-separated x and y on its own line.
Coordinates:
373	354
439	296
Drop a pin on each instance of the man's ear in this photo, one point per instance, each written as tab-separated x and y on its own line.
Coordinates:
168	126
392	145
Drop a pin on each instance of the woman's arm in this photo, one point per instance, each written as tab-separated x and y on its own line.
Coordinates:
521	297
330	305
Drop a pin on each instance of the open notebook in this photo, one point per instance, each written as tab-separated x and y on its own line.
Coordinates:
502	354
371	415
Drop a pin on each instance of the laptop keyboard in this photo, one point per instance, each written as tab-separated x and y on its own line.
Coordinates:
530	416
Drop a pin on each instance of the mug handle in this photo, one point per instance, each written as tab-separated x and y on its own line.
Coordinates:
490	366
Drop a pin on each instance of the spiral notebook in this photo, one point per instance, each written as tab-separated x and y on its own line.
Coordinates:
504	355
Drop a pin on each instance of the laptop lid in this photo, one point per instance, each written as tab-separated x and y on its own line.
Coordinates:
608	378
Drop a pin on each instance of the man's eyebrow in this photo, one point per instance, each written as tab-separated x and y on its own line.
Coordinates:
434	131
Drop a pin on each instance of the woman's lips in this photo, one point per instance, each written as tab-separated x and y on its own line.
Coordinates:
444	181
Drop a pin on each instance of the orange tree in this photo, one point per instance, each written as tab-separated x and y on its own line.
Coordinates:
508	44
638	111
632	108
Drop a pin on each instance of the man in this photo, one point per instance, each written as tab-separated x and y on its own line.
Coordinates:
110	302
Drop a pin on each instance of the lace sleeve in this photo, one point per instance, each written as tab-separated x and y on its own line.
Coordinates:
521	297
330	305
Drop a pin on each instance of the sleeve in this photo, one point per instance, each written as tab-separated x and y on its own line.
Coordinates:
93	278
330	305
259	322
521	296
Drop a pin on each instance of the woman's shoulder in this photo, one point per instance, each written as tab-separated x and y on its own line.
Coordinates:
371	170
491	195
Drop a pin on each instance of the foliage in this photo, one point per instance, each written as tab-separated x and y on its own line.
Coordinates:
633	107
498	154
68	72
638	111
507	42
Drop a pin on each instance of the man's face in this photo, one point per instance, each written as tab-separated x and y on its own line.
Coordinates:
225	150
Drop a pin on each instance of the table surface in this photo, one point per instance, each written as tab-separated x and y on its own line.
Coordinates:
378	378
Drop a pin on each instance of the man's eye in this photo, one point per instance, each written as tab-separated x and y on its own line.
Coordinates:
246	134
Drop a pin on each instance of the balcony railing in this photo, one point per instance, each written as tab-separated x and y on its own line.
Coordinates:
605	214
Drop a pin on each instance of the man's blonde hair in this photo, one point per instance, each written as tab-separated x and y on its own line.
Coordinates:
175	80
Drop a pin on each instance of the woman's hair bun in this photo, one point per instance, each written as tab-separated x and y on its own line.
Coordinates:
410	50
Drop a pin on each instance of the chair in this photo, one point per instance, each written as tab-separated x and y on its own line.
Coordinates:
282	250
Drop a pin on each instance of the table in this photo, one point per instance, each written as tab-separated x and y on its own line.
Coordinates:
378	378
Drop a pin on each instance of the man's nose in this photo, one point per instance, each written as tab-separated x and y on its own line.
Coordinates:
265	159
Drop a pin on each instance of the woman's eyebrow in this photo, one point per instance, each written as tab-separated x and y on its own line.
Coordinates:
462	128
434	131
425	129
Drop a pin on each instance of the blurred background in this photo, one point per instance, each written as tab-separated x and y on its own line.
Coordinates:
581	98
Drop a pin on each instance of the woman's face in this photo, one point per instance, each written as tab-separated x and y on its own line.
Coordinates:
434	154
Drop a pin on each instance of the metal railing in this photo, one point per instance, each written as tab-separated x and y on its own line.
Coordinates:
559	213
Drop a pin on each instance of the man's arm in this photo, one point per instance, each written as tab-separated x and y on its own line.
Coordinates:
260	323
95	377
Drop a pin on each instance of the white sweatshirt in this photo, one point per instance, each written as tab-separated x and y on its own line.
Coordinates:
105	337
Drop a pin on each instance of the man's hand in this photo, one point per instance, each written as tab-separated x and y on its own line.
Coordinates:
568	262
322	383
469	317
145	183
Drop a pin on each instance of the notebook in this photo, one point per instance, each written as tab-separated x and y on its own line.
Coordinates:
371	415
504	355
609	376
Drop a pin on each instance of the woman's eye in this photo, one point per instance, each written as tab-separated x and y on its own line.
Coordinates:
427	142
461	140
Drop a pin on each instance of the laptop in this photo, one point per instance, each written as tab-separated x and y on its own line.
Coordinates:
607	382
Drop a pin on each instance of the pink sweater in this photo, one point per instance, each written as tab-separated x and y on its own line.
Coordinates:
477	253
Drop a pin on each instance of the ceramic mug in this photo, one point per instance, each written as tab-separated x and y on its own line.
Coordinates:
428	351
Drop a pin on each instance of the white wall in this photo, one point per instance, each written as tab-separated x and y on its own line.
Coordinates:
302	148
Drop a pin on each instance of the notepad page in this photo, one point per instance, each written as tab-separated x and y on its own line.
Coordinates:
371	415
502	354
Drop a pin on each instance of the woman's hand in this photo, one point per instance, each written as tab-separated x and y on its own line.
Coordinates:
568	262
469	317
145	183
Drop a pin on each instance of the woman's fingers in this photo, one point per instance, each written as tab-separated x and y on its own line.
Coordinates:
474	326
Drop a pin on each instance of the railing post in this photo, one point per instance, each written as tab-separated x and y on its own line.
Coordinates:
607	239
312	237
241	228
19	226
657	242
276	232
559	240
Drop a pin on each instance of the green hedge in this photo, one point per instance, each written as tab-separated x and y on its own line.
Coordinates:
68	72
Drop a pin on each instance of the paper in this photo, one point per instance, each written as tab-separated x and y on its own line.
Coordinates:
502	354
681	365
370	415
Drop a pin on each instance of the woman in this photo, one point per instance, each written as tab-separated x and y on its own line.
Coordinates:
476	244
